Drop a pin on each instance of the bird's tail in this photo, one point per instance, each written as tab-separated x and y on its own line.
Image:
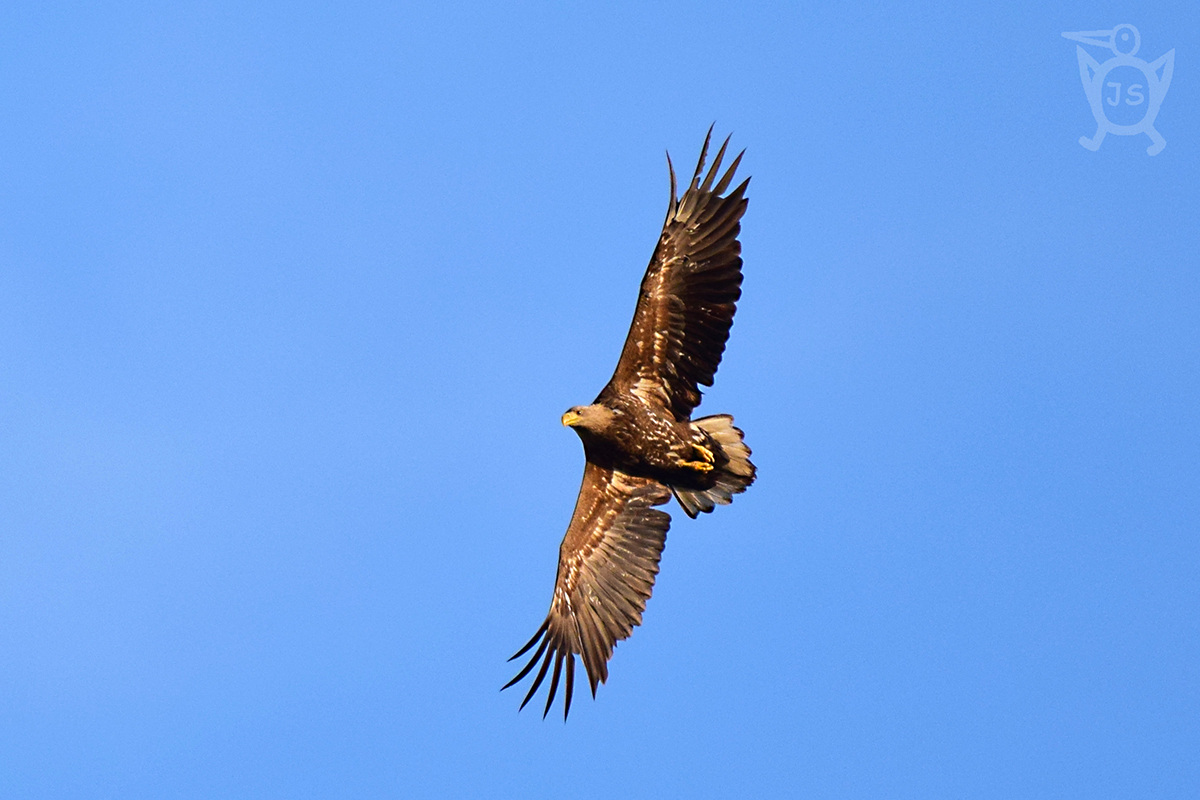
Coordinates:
734	472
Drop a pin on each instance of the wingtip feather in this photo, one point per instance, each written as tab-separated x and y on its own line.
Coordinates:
728	176
537	682
673	205
716	165
531	642
703	157
558	662
570	689
528	666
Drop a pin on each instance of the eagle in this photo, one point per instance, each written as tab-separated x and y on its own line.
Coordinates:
639	440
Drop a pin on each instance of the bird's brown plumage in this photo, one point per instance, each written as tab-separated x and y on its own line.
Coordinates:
688	295
606	568
609	557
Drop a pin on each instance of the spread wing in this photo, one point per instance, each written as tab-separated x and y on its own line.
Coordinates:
688	295
606	569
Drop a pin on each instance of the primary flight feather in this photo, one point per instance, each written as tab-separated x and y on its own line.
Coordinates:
639	440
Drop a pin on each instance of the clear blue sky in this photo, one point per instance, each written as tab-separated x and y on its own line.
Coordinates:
292	297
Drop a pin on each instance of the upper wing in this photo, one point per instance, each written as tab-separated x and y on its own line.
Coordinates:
606	569
688	296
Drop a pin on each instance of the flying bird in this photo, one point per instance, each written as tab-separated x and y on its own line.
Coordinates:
639	440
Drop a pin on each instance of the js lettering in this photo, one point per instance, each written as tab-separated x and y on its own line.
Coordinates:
1134	92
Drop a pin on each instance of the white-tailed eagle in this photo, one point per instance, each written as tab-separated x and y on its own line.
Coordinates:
641	444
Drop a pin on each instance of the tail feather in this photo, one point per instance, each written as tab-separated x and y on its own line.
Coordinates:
734	471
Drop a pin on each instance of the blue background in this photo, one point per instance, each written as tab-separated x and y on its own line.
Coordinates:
292	297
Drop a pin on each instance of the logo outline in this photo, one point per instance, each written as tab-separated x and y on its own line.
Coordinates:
1124	41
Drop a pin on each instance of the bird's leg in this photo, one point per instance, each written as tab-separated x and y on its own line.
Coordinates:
1093	143
699	466
1158	142
705	453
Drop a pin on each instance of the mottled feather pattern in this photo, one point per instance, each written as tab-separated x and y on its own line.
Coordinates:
638	436
689	294
607	565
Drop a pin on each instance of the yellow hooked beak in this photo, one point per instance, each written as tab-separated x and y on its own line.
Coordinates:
570	418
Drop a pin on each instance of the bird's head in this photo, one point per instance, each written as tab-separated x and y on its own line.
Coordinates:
592	418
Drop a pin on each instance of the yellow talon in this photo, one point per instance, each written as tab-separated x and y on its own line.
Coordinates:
705	453
700	466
